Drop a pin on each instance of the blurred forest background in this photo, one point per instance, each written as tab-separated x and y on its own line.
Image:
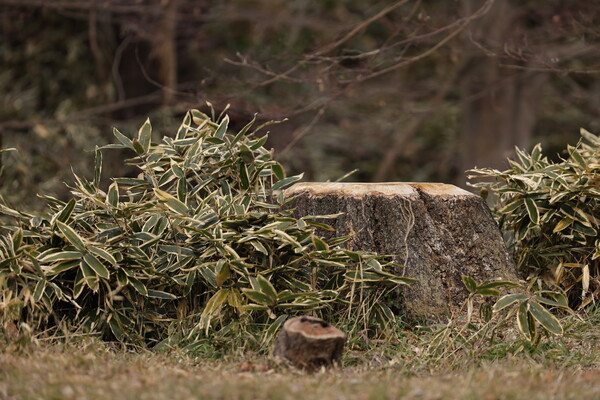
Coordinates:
410	90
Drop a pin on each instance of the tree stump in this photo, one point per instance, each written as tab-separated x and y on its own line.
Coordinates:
439	232
310	343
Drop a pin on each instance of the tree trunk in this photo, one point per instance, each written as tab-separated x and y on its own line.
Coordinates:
438	231
166	50
499	103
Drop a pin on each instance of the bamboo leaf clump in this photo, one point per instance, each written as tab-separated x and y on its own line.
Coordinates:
550	213
199	243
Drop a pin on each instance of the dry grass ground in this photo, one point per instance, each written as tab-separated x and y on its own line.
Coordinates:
411	364
97	371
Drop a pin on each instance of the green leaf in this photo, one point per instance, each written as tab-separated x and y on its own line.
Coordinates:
89	277
145	135
259	246
353	255
105	255
65	266
286	237
549	302
214	140
172	202
258	143
137	146
274	328
374	264
38	292
177	170
71	236
558	297
112	197
469	283
244	180
122	278
319	244
507	300
67	211
115	326
222	128
287	181
532	210
575	155
215	302
97	167
536	152
579	227
159	294
403	280
96	265
510	207
246	154
278	170
199	117
132	182
523	321
17	240
356	275
138	285
496	284
61	256
545	318
184	127
320	225
256	296
177	206
125	141
487	292
267	288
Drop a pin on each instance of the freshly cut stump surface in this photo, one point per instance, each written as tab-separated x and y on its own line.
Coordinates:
310	343
438	231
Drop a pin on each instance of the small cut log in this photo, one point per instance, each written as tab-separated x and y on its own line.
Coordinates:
310	343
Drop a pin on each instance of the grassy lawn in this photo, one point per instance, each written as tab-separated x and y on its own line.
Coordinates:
95	370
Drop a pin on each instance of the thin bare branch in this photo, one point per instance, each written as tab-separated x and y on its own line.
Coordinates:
353	32
464	23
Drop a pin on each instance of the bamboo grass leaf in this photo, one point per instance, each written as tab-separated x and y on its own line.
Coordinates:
145	136
96	265
112	197
545	318
507	300
97	167
125	141
469	283
61	256
71	236
287	181
532	210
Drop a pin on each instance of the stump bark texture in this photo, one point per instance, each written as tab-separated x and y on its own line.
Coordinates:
310	343
439	232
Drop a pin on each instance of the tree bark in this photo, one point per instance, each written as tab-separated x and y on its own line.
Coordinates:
439	232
